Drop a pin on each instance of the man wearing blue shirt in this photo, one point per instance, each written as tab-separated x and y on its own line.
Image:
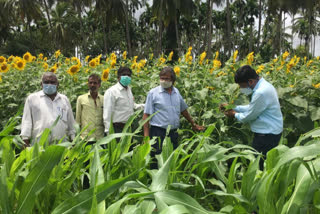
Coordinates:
169	104
263	112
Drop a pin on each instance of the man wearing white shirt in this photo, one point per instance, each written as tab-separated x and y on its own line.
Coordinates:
118	104
42	109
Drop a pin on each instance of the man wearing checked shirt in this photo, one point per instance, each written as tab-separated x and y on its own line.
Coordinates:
90	109
169	104
263	112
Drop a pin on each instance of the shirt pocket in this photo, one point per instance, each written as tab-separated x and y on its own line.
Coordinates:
63	113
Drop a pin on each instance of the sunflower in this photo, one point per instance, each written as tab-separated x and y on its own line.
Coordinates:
11	58
57	53
27	57
20	64
113	63
67	61
2	59
53	69
73	70
87	58
45	59
45	66
4	67
105	74
40	56
92	63
0	78
124	55
177	70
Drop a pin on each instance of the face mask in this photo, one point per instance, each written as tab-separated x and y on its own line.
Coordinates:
49	89
165	84
125	80
246	91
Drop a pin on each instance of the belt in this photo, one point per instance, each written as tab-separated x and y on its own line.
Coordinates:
121	125
157	127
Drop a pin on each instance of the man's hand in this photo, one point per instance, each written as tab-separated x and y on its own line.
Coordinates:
196	127
27	143
222	106
230	113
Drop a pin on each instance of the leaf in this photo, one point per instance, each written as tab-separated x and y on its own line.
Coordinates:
160	178
38	177
81	202
4	196
298	101
171	197
175	209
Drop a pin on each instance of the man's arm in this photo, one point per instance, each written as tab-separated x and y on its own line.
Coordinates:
78	111
70	122
146	125
108	107
195	127
26	125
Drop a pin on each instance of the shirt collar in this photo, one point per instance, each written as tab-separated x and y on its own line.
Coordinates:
42	94
99	95
120	87
164	90
258	84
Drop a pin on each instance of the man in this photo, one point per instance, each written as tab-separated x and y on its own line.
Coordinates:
42	109
263	113
90	109
166	101
119	103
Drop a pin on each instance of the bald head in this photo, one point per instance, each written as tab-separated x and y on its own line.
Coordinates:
49	75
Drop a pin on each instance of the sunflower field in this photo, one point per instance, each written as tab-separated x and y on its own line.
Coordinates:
214	171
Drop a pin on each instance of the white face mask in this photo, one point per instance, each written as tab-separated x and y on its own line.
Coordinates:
246	91
165	84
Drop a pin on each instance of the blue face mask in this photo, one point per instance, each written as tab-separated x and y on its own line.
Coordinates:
49	89
125	80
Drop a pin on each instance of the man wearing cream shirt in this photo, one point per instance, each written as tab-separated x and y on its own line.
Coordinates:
43	108
119	103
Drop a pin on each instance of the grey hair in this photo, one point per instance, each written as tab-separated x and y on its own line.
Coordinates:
49	74
166	70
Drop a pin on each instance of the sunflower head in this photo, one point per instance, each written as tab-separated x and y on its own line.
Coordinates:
87	58
4	67
73	70
27	57
40	56
11	58
45	66
53	69
67	61
57	53
20	64
105	74
92	63
2	59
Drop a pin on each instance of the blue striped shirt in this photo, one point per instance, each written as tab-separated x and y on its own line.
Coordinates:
263	113
168	106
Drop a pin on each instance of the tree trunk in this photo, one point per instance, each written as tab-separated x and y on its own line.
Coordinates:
209	38
251	37
127	29
259	27
177	31
205	40
48	14
292	31
160	30
228	29
105	46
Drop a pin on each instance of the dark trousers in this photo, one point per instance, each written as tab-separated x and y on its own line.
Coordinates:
161	133
264	143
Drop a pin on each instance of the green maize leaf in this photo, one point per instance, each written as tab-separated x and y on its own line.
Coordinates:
81	203
299	152
97	176
231	177
4	196
236	196
111	137
7	157
305	187
274	155
147	207
38	177
313	133
171	197
175	209
248	179
160	178
115	207
139	155
298	101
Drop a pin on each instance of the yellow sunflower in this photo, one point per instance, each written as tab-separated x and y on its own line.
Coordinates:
177	70
87	58
105	74
53	69
40	56
45	59
67	61
27	57
20	64
4	67
73	70
2	59
113	63
57	53
45	66
92	63
11	58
